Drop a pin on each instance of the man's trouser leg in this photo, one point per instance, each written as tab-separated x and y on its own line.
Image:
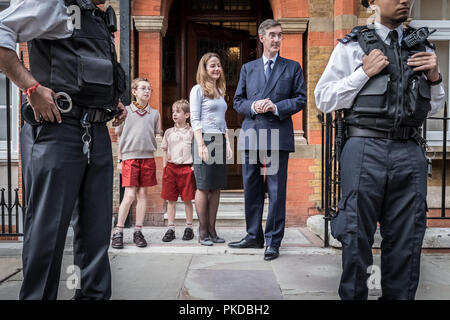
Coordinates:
53	171
254	195
93	227
363	177
403	220
276	184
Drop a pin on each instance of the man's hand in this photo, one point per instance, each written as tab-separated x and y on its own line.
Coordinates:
120	117
260	105
270	107
425	61
44	105
374	63
119	167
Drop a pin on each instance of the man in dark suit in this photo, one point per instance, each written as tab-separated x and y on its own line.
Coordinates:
270	90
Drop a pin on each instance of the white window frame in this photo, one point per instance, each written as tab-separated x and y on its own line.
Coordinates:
14	124
442	34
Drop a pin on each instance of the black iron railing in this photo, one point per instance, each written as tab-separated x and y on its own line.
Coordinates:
331	188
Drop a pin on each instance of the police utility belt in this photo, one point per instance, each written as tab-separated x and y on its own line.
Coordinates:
402	133
70	110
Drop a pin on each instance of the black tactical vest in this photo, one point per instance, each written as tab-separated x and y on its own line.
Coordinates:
395	97
84	66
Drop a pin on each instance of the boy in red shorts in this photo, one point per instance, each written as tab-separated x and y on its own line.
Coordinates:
137	143
178	177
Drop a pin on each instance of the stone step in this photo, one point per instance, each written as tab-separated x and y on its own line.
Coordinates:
231	210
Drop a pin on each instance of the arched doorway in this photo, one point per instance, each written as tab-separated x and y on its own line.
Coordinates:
228	27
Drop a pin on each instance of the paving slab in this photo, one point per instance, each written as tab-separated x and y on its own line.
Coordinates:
230	277
9	266
148	276
229	262
307	274
231	285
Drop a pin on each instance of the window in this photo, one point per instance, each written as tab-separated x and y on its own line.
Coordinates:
14	107
435	14
14	100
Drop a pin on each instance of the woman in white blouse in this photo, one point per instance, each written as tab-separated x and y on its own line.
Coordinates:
211	144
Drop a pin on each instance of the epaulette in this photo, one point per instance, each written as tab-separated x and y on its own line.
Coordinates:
83	4
355	33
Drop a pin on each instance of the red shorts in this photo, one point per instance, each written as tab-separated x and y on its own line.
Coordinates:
139	173
178	179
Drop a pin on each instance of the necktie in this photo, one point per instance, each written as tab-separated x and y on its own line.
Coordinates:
268	69
394	38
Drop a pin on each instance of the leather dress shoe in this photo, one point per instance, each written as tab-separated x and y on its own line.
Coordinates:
244	243
271	253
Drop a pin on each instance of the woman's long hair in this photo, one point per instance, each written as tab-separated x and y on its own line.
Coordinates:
205	81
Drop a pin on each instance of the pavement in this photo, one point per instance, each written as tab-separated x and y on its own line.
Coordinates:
186	270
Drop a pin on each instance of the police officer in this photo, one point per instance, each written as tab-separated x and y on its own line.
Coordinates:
385	78
66	156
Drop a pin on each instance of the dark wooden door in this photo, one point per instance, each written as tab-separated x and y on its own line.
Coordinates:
233	48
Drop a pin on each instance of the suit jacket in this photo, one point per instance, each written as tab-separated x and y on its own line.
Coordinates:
286	88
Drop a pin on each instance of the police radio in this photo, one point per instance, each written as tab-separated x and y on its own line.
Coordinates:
418	36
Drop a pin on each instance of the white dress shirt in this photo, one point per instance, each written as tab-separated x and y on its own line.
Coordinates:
25	20
266	65
344	76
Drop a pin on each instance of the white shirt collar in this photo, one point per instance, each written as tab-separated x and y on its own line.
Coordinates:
265	59
383	32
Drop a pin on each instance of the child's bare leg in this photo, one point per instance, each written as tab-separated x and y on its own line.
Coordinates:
124	208
171	211
141	206
189	213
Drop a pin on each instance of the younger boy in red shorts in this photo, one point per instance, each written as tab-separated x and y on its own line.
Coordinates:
178	177
137	143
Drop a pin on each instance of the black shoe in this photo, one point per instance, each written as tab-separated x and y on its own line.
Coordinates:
244	243
216	239
139	240
271	253
117	240
188	234
169	236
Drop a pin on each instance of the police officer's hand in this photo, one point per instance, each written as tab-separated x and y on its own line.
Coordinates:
425	61
120	116
44	105
374	63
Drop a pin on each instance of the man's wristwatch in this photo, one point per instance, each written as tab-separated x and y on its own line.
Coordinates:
438	81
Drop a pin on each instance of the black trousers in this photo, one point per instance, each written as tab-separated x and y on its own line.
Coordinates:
254	192
56	174
382	181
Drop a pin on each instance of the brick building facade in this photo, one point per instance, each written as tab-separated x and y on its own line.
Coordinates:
311	29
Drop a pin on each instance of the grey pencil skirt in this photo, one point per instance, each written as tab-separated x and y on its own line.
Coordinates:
212	174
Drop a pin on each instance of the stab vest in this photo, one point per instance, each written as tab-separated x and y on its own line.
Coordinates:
397	96
84	65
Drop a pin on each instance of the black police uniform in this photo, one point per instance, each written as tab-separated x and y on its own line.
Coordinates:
383	173
59	168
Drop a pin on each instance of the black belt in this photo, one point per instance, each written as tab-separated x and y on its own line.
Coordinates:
93	115
402	133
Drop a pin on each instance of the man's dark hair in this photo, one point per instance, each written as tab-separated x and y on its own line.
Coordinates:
365	3
267	24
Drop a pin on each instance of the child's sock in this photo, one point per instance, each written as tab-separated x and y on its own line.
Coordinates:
137	228
119	229
189	225
172	226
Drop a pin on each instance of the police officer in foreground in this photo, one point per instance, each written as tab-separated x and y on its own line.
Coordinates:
385	78
66	153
